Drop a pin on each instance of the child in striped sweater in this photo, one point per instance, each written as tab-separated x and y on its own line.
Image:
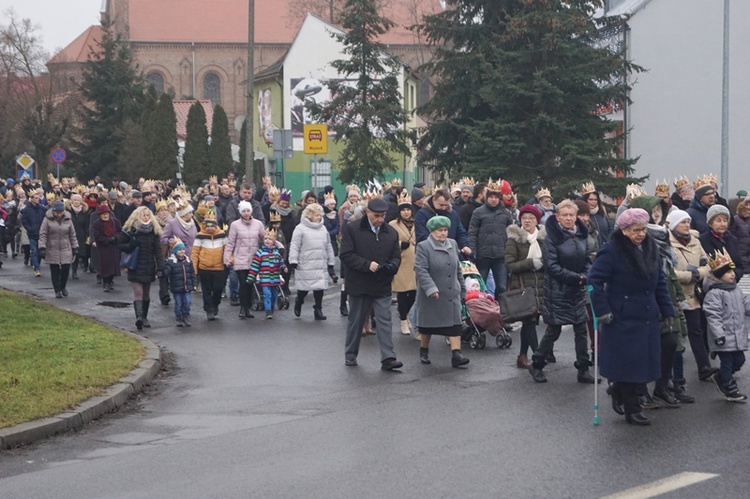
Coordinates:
266	269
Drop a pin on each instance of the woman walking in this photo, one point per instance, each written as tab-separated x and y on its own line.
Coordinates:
58	246
105	250
244	238
405	280
141	233
79	215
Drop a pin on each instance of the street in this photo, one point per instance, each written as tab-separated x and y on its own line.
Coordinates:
266	408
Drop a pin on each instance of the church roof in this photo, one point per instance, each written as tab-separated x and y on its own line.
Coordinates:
78	50
182	108
225	21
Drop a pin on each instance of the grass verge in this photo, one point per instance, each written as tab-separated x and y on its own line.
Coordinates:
51	359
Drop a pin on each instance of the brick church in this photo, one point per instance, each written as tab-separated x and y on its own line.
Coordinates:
198	48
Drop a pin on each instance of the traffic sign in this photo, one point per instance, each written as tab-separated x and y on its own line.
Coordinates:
25	161
58	155
316	139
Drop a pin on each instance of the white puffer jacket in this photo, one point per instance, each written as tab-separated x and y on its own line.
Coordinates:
311	250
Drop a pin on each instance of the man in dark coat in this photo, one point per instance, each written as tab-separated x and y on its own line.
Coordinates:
566	262
32	217
371	253
487	236
705	197
477	200
440	204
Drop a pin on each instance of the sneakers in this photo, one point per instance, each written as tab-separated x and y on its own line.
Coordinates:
391	364
586	377
269	316
37	273
537	374
729	391
179	321
350	362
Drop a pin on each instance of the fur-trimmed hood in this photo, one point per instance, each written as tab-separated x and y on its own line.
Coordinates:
644	262
518	234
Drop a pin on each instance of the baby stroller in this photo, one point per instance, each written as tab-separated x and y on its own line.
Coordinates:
282	302
473	333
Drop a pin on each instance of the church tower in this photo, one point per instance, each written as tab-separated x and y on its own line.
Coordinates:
118	13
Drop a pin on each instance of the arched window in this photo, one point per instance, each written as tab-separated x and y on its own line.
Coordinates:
212	88
156	80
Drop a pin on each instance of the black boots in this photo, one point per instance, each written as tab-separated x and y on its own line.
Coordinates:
458	360
584	376
617	403
342	307
318	312
318	307
638	419
424	356
298	304
245	313
680	392
145	313
138	307
537	374
663	396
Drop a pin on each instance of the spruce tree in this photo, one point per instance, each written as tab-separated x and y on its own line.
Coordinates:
112	91
220	151
196	146
163	148
519	86
366	113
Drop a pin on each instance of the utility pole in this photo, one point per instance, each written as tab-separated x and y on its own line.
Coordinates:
724	187
330	11
249	112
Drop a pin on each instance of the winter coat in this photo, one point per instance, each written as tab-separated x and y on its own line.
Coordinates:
81	222
360	246
332	226
244	239
741	230
180	274
150	258
208	251
711	243
629	284
405	279
698	217
520	266
566	260
692	254
603	225
455	232
107	251
679	202
438	271
487	231
466	211
311	250
725	306
174	228
58	238
32	218
232	212
266	267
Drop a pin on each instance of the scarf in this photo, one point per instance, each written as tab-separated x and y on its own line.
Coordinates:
186	225
163	220
331	215
684	240
718	236
534	250
146	228
594	211
509	204
109	227
77	210
572	231
284	212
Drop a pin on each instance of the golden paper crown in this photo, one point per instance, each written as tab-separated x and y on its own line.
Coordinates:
270	233
404	198
662	187
213	179
386	185
455	187
91	183
50	197
352	187
468	268
633	191
273	193
274	217
396	182
703	181
588	188
232	183
329	196
493	185
712	178
467	182
79	189
161	205
681	183
368	195
720	259
543	192
266	179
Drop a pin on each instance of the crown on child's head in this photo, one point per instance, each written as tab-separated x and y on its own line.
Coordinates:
271	233
273	193
469	268
328	196
176	244
720	259
274	217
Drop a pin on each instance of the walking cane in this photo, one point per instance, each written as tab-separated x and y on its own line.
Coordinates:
590	290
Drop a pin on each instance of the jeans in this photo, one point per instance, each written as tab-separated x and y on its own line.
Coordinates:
234	284
34	244
182	304
270	293
497	266
731	362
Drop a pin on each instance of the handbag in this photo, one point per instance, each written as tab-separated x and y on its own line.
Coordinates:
129	260
518	304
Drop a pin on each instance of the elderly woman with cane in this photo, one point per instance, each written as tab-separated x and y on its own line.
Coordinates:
628	309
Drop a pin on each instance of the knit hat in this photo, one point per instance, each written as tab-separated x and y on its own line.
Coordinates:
583	207
470	282
103	208
716	210
505	187
245	205
112	195
530	208
438	222
416	194
702	191
632	216
135	194
184	210
58	206
177	245
676	217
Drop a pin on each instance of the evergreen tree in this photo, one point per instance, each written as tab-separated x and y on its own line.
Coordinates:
163	148
220	151
113	92
196	146
366	113
519	86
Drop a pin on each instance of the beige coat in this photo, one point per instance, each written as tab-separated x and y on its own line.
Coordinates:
405	279
692	254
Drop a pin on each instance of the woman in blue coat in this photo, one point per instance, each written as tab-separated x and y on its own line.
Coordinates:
629	310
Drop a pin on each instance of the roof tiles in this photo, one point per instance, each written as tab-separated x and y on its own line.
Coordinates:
78	50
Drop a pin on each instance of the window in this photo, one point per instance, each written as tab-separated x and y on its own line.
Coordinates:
320	174
156	80
212	88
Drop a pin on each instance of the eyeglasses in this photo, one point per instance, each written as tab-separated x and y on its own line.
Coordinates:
637	230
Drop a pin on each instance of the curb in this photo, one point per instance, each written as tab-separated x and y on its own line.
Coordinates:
74	419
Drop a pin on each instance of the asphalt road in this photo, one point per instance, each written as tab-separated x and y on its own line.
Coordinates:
261	408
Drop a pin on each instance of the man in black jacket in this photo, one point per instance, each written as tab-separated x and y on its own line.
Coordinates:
477	200
372	256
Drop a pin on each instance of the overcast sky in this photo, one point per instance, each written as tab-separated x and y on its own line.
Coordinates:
59	21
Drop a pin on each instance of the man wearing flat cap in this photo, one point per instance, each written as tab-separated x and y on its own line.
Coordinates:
372	255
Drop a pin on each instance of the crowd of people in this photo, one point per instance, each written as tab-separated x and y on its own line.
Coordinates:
663	269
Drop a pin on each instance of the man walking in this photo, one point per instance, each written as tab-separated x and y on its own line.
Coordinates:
371	254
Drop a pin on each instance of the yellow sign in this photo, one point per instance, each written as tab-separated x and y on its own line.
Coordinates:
316	139
25	161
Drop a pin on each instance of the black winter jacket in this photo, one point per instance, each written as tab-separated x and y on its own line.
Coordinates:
712	243
359	247
566	261
81	222
488	231
180	274
150	257
32	217
741	230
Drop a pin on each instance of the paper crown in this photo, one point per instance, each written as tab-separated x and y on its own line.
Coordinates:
455	187
704	181
210	215
467	183
274	217
79	189
712	178
681	183
329	196
543	192
232	183
662	187
273	193
720	259
396	183
161	205
352	187
50	197
588	188
493	185
285	195
633	191
270	233
404	198
213	179
266	180
469	268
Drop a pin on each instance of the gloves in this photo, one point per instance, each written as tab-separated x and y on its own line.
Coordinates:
696	275
605	319
75	253
42	252
113	240
159	274
405	245
293	266
537	263
670	322
332	273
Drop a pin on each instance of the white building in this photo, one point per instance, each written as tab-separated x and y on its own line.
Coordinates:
676	112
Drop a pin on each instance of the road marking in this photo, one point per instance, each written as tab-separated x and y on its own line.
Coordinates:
659	487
